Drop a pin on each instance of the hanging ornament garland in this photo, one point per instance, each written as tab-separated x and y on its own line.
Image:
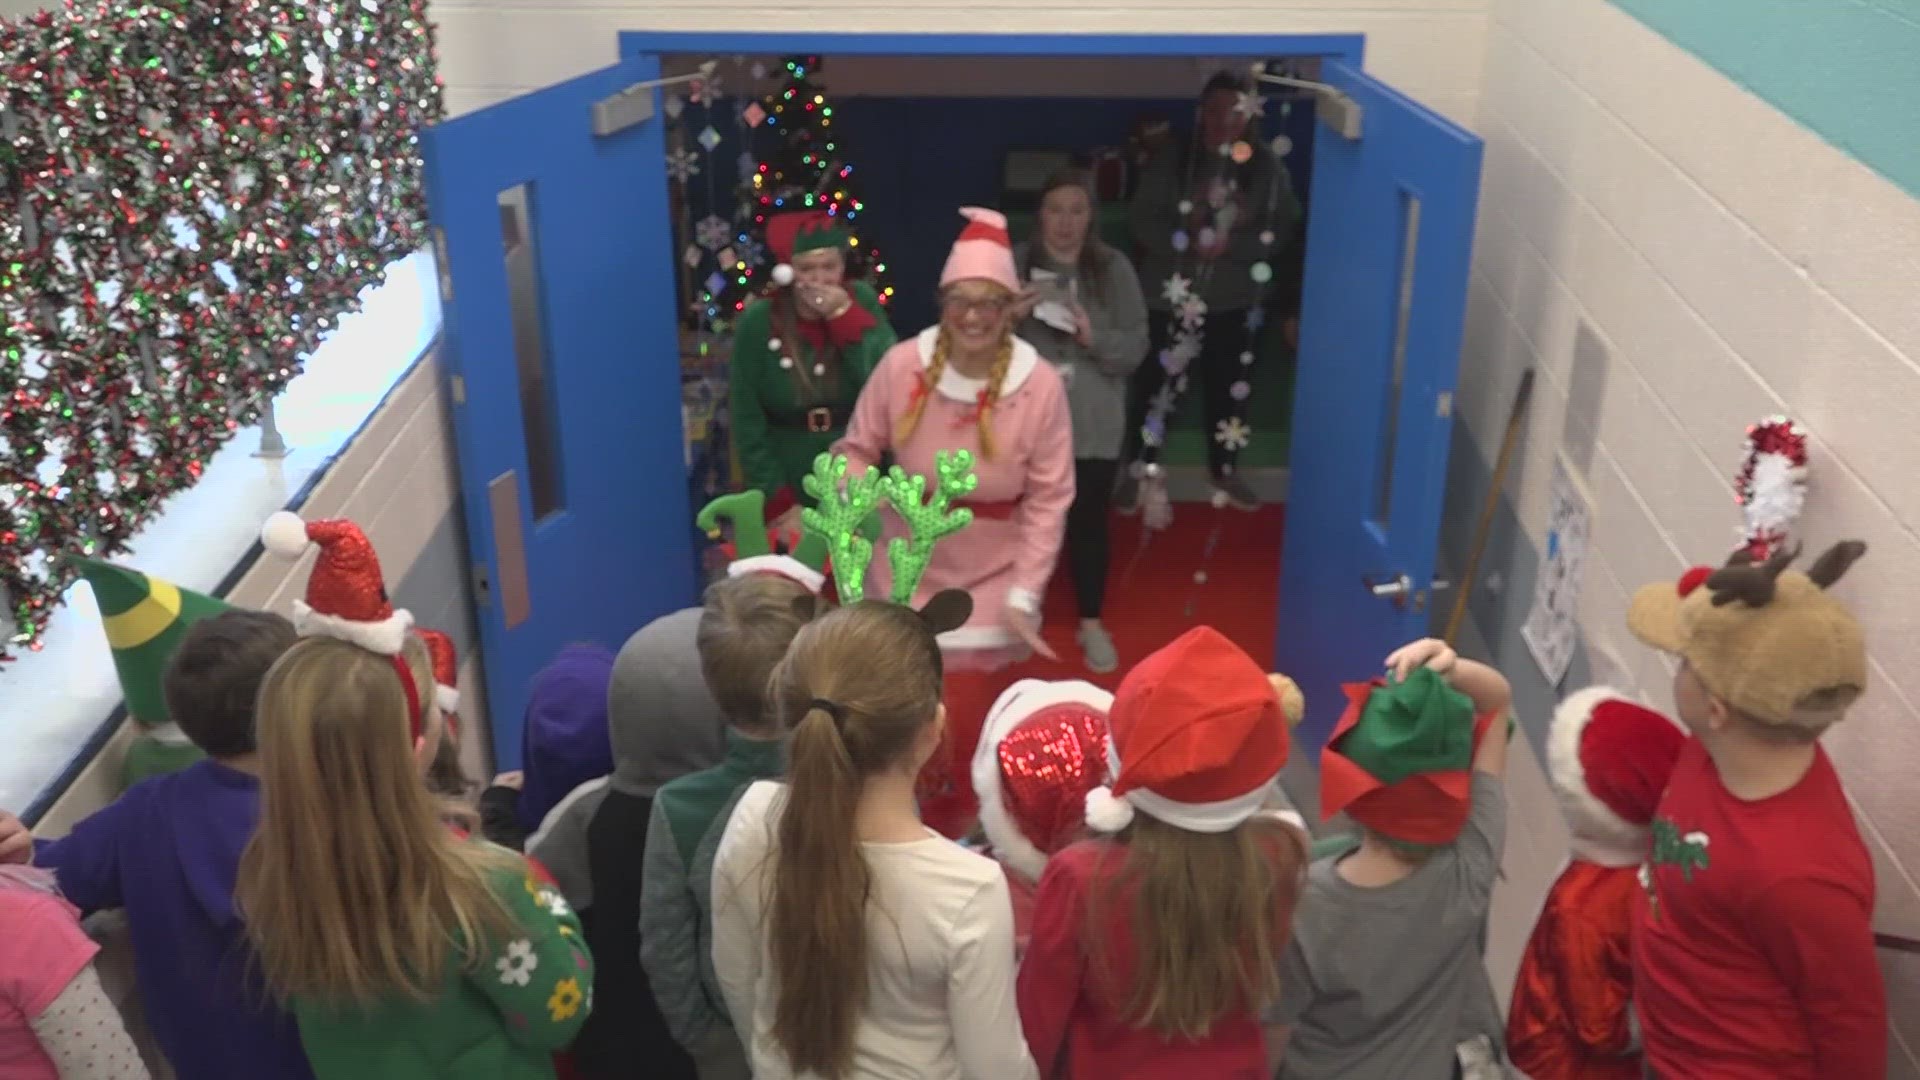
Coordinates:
1189	312
1771	486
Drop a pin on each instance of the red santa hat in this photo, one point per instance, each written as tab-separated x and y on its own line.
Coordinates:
1609	760
446	670
984	251
346	596
1044	747
1200	737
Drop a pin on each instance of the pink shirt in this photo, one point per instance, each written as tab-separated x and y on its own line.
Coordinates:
41	949
1001	554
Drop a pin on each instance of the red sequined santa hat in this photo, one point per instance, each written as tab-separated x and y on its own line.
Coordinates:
1044	747
346	596
446	670
1609	760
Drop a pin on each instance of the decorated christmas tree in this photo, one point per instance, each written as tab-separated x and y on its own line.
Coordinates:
801	165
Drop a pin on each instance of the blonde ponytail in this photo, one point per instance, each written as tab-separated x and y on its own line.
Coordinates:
929	383
857	688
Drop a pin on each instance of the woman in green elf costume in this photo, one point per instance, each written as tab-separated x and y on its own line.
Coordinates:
801	353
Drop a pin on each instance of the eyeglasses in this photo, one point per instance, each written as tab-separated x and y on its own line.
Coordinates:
968	305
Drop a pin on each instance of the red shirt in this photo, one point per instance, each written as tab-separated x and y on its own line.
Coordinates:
1569	1017
1753	944
1071	1028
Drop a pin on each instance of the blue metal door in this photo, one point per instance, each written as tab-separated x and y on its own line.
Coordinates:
1389	240
562	358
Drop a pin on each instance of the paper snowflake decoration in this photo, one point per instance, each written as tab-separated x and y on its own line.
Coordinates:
1185	345
1232	433
675	105
1164	400
1250	105
706	91
1256	318
1241	390
1193	312
712	232
1154	431
1177	289
683	165
1172	362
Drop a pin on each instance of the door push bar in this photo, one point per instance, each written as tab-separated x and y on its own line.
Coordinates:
634	105
1340	111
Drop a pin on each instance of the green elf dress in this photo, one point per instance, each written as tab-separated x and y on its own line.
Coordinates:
793	381
145	618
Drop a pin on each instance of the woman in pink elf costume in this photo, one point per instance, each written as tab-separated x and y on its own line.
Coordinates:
970	384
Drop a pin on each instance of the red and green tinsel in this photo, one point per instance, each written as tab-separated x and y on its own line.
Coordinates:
198	191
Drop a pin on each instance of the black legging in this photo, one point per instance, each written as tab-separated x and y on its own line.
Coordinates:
1087	541
1212	373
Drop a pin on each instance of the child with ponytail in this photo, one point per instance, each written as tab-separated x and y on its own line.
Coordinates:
1155	951
850	940
403	949
969	384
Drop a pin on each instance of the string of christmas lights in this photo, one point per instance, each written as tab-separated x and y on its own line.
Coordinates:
204	188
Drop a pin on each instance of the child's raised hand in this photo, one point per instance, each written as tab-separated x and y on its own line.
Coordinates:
1427	652
16	843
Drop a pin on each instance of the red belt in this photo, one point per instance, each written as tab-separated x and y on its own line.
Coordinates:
994	511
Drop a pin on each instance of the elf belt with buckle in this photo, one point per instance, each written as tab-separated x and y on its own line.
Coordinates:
820	418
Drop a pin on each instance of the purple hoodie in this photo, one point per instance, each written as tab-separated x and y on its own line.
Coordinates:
564	741
168	852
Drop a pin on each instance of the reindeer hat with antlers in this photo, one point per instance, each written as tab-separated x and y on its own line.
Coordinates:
844	505
1765	639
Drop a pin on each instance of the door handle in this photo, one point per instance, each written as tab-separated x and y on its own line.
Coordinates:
1388	588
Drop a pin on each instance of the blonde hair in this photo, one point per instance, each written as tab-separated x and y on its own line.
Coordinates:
1211	915
930	384
857	688
352	887
746	624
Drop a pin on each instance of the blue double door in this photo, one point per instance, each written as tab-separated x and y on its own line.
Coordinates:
562	354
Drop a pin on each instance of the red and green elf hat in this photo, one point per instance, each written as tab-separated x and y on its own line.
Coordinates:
1399	761
800	231
144	618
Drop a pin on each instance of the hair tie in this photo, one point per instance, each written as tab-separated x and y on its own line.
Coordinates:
831	708
413	695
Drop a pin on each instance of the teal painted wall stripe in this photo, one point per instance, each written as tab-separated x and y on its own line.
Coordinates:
1847	69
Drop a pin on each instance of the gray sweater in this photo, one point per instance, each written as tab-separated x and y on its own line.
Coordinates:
1096	375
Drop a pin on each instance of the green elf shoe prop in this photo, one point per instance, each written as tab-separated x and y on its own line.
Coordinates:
756	549
1399	760
144	618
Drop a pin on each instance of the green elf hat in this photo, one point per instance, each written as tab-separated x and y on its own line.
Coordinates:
800	231
144	618
1399	761
755	549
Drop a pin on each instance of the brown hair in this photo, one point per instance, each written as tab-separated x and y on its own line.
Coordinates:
214	676
857	688
1211	915
1092	267
745	628
352	887
930	385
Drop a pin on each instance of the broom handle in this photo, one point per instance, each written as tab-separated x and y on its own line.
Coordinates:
1484	529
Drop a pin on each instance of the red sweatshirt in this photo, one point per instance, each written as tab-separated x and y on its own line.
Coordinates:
1071	1027
1753	944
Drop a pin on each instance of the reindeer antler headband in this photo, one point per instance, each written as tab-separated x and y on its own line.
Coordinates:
843	503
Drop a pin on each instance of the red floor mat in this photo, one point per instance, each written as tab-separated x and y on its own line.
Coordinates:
1153	597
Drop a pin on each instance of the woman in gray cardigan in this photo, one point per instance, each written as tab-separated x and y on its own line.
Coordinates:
1083	310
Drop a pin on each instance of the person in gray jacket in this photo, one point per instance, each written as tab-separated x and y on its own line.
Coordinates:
1083	310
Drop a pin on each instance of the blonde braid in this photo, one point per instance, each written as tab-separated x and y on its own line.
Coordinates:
995	380
929	381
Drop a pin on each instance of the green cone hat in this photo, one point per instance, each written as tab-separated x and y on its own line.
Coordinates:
144	618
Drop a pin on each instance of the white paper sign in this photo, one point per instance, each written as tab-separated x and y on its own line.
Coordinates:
1552	628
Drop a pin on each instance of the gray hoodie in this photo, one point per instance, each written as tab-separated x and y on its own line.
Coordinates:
1096	375
662	722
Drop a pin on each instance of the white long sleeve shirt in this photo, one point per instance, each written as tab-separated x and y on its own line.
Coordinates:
940	971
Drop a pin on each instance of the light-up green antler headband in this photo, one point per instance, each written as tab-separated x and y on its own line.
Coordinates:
843	504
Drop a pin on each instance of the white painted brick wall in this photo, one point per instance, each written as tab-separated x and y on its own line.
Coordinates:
1732	265
494	49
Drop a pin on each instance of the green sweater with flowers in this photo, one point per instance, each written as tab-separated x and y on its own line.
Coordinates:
501	1017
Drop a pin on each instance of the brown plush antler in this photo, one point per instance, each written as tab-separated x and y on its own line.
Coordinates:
1838	559
1748	583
